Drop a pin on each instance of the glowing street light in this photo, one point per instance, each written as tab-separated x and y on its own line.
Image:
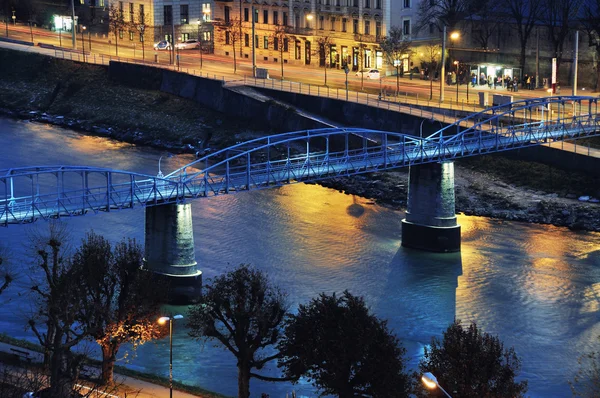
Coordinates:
453	36
162	321
430	381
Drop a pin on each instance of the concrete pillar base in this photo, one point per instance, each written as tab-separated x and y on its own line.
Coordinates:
431	239
183	289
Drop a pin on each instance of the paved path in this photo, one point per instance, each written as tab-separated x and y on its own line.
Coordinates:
128	386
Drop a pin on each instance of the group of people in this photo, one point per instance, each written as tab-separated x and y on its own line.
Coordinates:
506	82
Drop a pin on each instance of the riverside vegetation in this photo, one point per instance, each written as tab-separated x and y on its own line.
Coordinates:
82	97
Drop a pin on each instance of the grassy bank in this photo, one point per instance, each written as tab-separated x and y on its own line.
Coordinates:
83	92
151	378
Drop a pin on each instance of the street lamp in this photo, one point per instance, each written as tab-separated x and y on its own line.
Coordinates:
83	42
309	18
431	382
453	36
200	41
456	63
162	321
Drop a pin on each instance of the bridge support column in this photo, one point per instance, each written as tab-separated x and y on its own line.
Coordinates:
430	222
169	251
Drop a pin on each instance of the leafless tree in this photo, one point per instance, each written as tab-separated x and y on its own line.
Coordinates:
485	19
278	40
591	23
231	36
139	25
524	14
396	47
323	51
449	13
431	62
558	15
55	294
116	24
5	270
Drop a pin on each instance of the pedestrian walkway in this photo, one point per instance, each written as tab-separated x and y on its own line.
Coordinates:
126	386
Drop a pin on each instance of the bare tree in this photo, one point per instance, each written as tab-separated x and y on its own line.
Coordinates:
116	24
56	294
139	25
231	36
558	14
591	22
361	59
118	304
278	39
432	64
524	15
449	13
485	19
396	47
323	51
5	271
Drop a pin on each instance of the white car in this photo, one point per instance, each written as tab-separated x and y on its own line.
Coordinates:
162	45
191	44
369	73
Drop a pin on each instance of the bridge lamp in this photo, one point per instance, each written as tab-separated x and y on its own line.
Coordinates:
430	381
162	321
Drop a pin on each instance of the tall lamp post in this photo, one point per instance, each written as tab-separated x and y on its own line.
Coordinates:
83	42
200	41
431	382
453	36
456	64
162	321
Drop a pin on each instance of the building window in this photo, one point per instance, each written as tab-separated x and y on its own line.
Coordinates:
285	44
406	27
227	14
131	12
431	28
265	16
246	40
367	27
332	23
185	36
367	3
355	3
344	20
406	3
121	9
168	15
285	19
227	38
276	44
131	36
275	18
378	4
266	42
246	14
142	14
321	22
206	12
355	26
256	41
121	34
184	17
141	38
378	28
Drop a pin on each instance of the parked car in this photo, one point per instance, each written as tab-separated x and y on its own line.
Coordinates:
369	73
191	44
162	45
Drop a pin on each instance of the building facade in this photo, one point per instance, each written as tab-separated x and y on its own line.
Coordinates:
171	20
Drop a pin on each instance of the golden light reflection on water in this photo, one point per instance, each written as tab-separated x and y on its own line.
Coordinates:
322	217
92	145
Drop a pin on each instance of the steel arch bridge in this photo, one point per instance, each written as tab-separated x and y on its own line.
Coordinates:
45	192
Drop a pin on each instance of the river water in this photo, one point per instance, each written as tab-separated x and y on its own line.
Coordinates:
537	287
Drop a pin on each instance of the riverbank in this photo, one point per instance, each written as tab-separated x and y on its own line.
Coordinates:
82	97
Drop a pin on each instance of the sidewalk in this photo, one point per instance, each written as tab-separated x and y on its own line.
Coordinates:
127	386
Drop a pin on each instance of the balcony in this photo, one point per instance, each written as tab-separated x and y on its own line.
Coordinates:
368	38
290	30
331	9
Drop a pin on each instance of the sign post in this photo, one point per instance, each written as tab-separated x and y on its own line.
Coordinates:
346	70
553	75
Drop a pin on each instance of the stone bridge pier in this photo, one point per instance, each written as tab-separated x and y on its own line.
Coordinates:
430	222
169	251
